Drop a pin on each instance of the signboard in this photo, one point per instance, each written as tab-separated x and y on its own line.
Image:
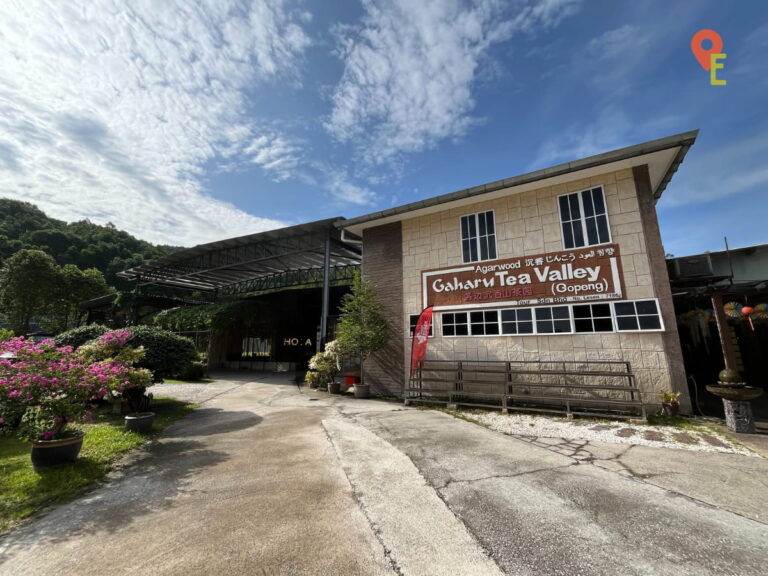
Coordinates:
555	277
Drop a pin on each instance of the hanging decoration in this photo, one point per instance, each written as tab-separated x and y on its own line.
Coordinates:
761	312
732	309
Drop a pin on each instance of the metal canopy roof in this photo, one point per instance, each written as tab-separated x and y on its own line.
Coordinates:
274	259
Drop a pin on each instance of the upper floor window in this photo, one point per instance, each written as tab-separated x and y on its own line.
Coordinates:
584	219
478	237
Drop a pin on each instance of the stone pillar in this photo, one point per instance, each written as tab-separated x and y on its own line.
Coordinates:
738	416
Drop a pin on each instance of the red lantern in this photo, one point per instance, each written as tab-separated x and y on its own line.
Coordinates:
747	310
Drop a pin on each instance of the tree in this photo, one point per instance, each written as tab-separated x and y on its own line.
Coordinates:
75	286
28	287
362	329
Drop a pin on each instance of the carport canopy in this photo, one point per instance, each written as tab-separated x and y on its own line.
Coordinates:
312	254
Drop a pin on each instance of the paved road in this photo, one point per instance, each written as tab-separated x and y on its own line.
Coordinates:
267	479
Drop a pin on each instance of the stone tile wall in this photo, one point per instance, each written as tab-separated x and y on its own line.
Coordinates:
528	224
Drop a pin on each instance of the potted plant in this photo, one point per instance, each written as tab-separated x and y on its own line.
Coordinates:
362	329
326	363
312	378
46	390
670	403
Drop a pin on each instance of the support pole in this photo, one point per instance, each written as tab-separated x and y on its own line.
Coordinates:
729	355
326	290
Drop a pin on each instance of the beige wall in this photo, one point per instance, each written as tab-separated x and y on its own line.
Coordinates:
528	224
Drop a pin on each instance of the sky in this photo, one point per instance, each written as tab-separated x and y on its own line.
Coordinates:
193	121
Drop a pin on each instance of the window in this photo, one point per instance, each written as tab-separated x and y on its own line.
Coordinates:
484	322
584	219
455	324
637	315
478	237
413	319
555	320
592	318
517	321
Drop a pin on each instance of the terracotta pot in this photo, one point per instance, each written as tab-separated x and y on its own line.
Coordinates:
139	421
46	453
334	387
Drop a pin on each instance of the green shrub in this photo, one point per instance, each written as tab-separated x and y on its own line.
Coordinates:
5	335
193	371
79	336
166	354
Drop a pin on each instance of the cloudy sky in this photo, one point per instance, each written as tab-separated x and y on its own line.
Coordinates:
186	122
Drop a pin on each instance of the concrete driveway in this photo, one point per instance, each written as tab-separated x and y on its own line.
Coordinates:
268	479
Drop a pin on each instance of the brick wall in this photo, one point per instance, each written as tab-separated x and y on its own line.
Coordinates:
383	267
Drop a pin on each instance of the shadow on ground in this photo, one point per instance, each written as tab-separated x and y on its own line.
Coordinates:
209	421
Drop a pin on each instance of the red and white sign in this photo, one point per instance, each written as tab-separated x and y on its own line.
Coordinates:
420	338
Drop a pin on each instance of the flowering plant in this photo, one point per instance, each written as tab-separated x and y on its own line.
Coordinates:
46	388
326	362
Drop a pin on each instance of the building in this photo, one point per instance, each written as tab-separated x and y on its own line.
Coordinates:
562	264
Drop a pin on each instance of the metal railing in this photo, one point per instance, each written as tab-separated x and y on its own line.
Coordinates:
585	387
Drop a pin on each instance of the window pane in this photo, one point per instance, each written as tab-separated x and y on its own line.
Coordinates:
578	235
649	322
481	222
581	312
601	310
491	247
509	328
476	317
583	325
565	213
508	316
524	314
624	308
603	325
466	254
462	330
483	248
544	326
592	232
492	328
597	195
602	228
472	226
525	327
646	307
489	222
586	197
567	235
543	313
562	326
627	322
573	200
560	312
448	330
473	251
464	227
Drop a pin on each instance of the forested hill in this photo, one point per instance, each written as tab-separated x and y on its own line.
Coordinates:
84	244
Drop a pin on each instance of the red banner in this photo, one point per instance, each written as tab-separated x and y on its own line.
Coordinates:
420	338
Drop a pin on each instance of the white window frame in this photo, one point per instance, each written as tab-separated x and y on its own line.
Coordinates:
443	324
591	317
476	240
484	323
583	218
572	320
517	321
409	329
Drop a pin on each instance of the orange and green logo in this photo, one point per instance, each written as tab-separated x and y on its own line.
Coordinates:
708	57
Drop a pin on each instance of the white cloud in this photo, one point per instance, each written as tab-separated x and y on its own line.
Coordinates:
409	69
111	110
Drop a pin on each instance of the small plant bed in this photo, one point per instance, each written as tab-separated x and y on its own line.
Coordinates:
24	491
178	381
661	431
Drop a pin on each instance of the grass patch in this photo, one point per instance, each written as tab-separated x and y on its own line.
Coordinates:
23	491
175	381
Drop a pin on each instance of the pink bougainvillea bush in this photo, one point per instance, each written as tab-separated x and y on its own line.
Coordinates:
44	389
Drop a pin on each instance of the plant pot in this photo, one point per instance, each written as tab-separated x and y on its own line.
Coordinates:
47	453
140	421
362	390
670	408
313	385
334	387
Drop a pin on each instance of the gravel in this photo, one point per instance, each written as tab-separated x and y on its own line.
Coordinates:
614	432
